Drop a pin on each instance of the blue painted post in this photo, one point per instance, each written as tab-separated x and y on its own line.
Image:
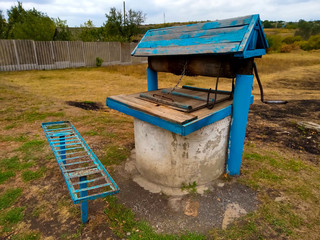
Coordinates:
84	205
240	110
62	142
152	79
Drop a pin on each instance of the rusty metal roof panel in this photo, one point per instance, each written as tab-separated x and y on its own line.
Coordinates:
242	37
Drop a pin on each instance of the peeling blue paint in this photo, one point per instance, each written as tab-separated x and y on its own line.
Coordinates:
237	35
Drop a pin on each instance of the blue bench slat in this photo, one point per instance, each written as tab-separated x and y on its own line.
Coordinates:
72	158
80	169
88	181
68	149
67	144
75	163
57	138
90	188
64	141
65	154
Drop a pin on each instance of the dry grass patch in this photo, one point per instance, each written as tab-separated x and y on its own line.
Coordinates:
288	184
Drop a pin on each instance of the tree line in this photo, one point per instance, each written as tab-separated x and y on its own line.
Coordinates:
35	25
306	36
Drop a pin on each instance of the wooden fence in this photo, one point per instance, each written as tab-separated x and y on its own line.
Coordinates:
17	55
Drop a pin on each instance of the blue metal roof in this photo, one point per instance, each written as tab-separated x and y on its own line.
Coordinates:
242	36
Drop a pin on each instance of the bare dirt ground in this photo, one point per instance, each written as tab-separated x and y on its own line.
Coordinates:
169	214
278	186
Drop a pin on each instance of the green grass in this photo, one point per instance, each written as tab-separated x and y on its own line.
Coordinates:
4	176
27	236
14	164
279	218
91	133
12	216
32	149
290	178
33	145
191	187
9	197
244	228
29	175
266	174
20	138
10	126
276	161
115	155
122	221
34	115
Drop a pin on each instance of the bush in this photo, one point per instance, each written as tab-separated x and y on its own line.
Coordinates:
275	43
286	48
291	39
312	43
99	62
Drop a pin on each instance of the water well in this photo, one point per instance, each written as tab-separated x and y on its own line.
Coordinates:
189	134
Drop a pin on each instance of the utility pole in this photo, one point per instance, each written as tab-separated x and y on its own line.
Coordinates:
124	12
164	17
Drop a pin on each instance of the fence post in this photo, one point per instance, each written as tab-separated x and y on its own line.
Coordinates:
52	52
16	52
35	54
68	53
84	57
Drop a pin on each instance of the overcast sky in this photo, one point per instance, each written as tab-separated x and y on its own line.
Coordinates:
77	12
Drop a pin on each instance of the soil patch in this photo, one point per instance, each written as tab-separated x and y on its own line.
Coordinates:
168	214
278	124
86	105
296	108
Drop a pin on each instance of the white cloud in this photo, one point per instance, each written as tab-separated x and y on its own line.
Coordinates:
77	12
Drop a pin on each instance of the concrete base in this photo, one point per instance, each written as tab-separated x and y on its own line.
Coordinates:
168	160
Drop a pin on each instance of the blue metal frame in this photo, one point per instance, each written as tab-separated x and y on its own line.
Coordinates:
241	104
61	140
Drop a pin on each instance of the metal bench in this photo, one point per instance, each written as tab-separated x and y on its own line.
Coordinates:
84	174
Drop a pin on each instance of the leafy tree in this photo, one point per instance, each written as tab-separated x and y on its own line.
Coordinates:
132	23
304	29
119	27
307	29
3	26
62	32
292	25
90	33
114	25
30	24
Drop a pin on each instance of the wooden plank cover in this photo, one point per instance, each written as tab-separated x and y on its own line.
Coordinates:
154	109
170	113
181	99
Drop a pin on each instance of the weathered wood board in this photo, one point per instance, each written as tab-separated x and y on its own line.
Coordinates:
182	99
170	113
241	37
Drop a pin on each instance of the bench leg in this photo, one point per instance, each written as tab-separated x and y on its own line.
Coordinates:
62	142
84	205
